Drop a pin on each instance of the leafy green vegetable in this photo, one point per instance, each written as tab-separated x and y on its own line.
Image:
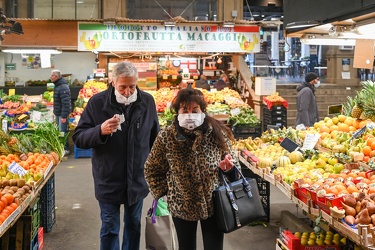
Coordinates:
245	116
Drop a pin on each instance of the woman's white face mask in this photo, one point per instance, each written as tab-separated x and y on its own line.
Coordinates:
191	121
126	100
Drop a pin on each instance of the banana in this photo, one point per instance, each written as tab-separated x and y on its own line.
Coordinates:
249	147
337	213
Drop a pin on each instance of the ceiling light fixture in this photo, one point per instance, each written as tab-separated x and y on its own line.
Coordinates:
301	25
109	22
32	51
325	40
228	24
169	23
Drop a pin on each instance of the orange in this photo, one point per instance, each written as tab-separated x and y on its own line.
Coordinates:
372	154
362	123
14	205
366	158
343	127
5	201
352	189
362	174
324	128
356	123
366	150
334	128
2	218
9	198
349	121
352	128
343	192
324	135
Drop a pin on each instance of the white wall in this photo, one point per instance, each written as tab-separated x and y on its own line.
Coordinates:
79	64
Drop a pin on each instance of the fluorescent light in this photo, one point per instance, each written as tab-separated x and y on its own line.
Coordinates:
32	51
228	24
301	24
169	23
312	40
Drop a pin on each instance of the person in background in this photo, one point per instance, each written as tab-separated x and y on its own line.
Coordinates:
184	165
222	82
307	108
202	83
61	104
120	124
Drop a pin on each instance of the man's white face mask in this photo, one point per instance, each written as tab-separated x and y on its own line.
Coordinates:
126	100
191	121
317	84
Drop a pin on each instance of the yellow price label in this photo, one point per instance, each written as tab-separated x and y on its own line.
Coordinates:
174	77
11	92
165	77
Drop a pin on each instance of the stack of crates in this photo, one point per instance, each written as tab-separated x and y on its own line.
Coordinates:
24	233
276	116
34	211
47	205
263	188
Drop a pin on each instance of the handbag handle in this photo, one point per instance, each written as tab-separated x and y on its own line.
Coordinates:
154	205
230	194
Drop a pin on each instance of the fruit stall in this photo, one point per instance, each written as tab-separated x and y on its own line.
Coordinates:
28	159
329	173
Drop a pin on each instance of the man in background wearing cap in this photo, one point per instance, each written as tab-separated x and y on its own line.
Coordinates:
307	108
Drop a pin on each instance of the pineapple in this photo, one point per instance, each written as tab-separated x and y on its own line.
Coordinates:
357	109
368	104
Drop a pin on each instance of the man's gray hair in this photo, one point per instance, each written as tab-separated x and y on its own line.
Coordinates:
56	72
124	69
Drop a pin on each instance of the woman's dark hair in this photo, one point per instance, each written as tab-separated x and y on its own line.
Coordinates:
189	95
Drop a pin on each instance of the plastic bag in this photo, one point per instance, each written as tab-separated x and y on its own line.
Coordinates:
162	208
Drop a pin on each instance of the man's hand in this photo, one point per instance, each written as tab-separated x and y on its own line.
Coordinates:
109	126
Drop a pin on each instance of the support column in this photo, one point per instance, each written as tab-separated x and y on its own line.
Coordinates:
275	46
226	9
335	67
109	9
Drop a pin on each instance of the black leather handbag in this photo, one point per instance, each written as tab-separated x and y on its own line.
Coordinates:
237	203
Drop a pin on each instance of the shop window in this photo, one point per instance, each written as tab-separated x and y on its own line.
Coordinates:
53	9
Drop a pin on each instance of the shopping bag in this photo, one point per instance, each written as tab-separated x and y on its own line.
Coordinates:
236	204
160	231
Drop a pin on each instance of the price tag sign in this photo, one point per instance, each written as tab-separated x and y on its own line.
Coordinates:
165	77
37	115
235	111
310	141
11	92
174	77
14	168
359	132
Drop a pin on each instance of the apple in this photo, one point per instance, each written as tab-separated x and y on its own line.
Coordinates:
332	160
338	167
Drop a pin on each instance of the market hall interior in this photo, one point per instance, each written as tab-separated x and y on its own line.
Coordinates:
78	222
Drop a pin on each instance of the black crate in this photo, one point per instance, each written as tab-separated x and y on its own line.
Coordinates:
47	205
49	187
243	131
263	188
48	219
275	108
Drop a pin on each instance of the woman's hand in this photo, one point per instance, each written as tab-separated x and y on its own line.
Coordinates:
227	163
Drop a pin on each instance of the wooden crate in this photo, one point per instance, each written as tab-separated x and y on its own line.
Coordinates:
19	236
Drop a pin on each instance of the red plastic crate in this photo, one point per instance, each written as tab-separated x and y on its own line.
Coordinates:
325	203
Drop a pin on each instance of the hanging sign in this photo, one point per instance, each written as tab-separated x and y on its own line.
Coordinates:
159	38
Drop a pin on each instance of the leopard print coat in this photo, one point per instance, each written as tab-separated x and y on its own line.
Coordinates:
186	171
